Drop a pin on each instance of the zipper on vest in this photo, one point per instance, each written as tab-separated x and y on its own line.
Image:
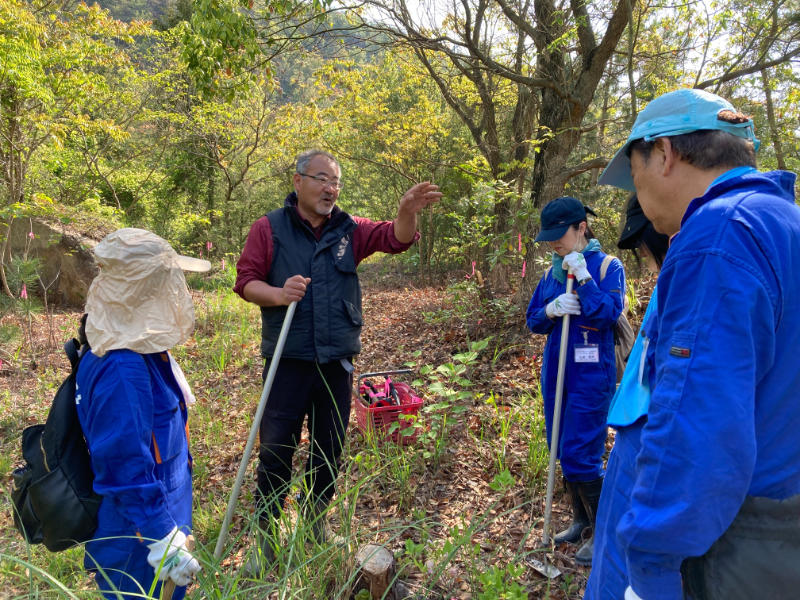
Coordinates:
44	454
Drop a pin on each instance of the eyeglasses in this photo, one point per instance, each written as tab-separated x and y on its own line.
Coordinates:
324	180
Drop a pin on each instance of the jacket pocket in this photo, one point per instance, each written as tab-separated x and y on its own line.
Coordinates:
676	367
169	436
353	314
343	256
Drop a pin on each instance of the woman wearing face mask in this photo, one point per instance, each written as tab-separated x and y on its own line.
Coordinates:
628	415
131	398
590	376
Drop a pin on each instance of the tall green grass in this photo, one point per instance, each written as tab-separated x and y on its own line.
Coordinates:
439	558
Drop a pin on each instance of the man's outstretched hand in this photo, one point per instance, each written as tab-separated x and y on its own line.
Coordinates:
294	289
413	201
420	196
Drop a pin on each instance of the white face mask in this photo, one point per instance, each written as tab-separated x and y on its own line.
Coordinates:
139	301
580	243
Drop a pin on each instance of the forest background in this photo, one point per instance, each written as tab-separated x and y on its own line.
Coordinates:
184	117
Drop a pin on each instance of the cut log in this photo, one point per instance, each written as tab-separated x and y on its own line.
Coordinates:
377	571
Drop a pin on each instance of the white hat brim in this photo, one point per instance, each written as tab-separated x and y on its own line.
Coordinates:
197	265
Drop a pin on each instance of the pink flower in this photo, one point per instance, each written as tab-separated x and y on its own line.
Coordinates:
223	264
523	267
201	254
209	245
30	235
24	293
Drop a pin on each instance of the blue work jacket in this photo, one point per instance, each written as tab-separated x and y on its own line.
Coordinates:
724	415
588	387
135	422
601	306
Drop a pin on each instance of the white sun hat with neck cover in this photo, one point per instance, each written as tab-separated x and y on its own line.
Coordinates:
139	301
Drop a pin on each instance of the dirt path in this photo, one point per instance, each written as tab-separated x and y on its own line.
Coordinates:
398	322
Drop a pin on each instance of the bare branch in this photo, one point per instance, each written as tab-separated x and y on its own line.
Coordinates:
748	71
601	162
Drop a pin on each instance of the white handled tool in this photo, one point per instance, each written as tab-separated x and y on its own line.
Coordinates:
562	365
251	440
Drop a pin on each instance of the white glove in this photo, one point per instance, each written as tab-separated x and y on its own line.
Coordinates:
576	263
565	304
630	594
178	563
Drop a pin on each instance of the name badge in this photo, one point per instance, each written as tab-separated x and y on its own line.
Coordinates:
587	353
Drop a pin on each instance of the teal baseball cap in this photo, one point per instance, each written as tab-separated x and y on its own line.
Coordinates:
671	114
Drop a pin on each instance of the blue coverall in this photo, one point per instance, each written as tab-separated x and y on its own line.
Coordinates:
725	412
134	419
609	576
588	387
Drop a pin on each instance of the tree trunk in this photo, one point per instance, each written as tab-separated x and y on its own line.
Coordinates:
774	132
3	258
601	131
429	253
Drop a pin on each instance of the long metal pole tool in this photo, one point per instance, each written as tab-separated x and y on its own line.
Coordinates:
562	365
251	440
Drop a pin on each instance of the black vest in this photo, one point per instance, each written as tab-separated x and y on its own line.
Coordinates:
327	321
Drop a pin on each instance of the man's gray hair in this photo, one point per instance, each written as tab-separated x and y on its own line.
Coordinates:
304	158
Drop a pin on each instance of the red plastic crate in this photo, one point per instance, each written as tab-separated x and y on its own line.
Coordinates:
378	420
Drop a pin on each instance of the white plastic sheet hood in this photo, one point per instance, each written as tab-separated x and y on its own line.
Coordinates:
139	301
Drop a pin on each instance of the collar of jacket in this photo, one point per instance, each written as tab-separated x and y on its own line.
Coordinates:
777	183
336	217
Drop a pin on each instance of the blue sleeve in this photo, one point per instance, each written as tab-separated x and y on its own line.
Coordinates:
120	430
602	303
537	319
715	341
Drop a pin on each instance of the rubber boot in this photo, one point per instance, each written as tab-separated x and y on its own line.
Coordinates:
316	515
590	494
580	520
262	557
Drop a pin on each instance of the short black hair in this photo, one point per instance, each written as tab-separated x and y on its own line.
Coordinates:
656	243
589	234
82	339
707	149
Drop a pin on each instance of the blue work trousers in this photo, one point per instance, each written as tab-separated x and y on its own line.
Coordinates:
609	577
121	564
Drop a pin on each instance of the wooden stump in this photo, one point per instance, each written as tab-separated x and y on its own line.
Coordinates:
377	571
484	289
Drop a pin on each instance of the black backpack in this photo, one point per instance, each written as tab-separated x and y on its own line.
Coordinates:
53	500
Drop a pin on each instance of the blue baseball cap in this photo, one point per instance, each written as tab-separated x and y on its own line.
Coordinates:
671	114
558	215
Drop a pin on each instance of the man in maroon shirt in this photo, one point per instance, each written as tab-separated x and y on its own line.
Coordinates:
308	252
